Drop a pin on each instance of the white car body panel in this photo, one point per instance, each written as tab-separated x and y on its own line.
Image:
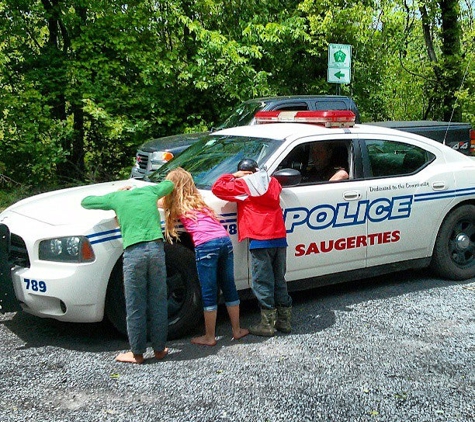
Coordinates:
432	192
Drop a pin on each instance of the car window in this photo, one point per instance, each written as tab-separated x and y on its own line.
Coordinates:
292	107
242	115
319	162
330	104
389	158
215	155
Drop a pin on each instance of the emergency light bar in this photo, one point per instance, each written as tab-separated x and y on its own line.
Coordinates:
327	118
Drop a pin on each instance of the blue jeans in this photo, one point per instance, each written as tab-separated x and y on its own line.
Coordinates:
268	277
145	286
215	265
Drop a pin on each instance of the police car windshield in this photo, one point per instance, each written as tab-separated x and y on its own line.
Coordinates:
215	155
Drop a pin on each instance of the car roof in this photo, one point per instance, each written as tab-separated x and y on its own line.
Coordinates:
430	124
293	131
283	131
294	97
278	131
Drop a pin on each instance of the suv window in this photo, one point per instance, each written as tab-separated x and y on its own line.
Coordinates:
292	107
389	158
244	114
331	104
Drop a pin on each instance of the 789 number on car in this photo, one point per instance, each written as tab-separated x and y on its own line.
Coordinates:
34	285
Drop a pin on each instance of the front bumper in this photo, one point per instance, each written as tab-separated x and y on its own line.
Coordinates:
70	293
8	300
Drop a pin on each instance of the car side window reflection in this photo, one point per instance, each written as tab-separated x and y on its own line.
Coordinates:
321	162
389	158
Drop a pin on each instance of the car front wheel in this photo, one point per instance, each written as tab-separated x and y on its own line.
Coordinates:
184	297
454	251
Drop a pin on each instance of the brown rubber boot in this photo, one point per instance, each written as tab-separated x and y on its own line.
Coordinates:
284	319
266	327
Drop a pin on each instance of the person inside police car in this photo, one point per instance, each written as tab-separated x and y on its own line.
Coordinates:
260	219
327	163
145	278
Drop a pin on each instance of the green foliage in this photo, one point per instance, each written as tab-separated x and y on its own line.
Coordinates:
84	83
12	191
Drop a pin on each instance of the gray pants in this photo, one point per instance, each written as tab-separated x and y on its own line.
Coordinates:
145	286
268	277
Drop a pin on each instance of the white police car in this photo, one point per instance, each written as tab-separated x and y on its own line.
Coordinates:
409	202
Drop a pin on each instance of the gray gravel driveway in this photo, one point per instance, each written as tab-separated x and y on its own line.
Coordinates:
394	348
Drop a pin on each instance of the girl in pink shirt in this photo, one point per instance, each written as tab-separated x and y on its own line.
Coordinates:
213	252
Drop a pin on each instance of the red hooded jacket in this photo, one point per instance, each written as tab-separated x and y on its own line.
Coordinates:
258	203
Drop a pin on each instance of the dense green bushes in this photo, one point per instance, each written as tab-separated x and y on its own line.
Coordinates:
84	83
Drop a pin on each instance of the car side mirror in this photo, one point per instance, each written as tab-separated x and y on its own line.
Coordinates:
288	177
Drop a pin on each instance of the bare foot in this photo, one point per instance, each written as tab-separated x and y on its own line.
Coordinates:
204	341
162	354
243	332
130	357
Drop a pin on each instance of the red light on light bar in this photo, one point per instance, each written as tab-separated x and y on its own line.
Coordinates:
327	118
268	116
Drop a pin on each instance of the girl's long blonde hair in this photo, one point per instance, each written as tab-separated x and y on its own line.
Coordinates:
184	200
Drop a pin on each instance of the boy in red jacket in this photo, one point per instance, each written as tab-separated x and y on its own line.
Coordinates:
260	220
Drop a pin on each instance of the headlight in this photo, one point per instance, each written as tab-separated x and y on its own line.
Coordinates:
66	249
160	157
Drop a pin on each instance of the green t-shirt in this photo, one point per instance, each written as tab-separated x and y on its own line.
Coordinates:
136	210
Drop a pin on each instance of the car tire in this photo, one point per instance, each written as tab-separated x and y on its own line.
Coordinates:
115	299
185	310
454	252
184	296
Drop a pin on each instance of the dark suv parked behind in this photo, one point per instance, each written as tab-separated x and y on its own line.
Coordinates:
154	153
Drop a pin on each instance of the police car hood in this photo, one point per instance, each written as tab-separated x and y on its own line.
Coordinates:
63	207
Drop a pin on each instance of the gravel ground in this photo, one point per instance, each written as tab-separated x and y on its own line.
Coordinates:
397	348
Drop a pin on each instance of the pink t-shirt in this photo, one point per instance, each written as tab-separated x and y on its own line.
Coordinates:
204	228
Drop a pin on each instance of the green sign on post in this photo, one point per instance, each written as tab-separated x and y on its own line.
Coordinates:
339	63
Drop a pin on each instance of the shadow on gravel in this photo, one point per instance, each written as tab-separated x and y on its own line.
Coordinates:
38	332
313	311
316	309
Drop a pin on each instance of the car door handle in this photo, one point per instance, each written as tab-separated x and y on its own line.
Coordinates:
439	186
352	195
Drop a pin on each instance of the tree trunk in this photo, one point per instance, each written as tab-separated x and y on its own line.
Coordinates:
447	69
451	33
77	154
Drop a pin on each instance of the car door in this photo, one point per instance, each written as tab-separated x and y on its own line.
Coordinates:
325	231
407	190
